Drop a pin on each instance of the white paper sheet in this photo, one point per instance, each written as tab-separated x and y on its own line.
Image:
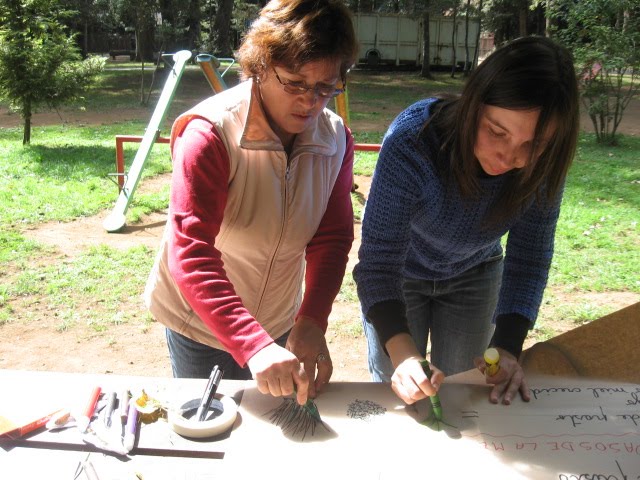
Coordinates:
571	429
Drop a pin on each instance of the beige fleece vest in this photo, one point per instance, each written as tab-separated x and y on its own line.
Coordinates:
272	213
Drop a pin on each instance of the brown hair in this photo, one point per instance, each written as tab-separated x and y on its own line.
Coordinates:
292	33
528	73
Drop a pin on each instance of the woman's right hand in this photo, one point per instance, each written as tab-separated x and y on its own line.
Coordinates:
278	372
409	381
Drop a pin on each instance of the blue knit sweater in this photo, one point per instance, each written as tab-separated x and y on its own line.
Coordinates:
414	227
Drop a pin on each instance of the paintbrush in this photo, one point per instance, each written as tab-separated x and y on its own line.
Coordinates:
435	423
435	398
296	419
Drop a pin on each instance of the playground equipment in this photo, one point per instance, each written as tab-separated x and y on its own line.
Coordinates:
127	183
116	220
209	65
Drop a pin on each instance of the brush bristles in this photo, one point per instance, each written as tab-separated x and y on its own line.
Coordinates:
294	419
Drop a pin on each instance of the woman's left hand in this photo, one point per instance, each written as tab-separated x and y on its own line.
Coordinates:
307	342
508	381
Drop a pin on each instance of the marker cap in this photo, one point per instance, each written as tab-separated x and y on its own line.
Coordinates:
491	358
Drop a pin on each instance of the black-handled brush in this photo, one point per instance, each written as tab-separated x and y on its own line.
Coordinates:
296	419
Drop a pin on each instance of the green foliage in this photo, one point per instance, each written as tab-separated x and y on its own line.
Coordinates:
39	61
597	235
503	18
365	162
604	36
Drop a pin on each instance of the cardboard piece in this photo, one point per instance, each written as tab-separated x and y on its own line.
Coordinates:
17	421
604	348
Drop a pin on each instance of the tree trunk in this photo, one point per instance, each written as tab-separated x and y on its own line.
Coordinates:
366	6
465	70
142	102
524	9
26	114
454	30
426	67
548	24
147	47
222	29
193	24
85	40
476	53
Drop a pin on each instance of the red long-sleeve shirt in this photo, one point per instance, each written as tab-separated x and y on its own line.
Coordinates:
199	193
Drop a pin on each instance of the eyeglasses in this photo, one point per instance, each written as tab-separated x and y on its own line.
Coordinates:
300	88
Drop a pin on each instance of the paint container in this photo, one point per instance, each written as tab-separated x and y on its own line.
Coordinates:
220	417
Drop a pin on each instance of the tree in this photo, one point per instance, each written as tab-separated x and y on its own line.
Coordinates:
39	62
454	41
523	10
222	29
604	36
476	10
141	14
509	19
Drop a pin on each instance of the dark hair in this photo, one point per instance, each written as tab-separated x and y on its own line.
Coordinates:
292	33
527	73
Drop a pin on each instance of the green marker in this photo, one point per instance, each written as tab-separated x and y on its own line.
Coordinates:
435	399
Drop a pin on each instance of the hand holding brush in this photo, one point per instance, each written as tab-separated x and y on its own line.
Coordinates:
296	419
284	378
435	398
278	372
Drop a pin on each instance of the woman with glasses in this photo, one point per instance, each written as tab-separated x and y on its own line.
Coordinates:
260	219
454	176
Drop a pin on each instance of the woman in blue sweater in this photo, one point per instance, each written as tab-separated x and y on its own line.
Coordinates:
453	177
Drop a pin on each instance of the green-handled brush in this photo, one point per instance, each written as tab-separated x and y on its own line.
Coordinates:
435	398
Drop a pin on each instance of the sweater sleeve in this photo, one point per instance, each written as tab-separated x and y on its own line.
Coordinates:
199	189
328	251
528	256
398	182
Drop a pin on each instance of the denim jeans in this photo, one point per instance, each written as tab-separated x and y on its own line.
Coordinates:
456	314
191	359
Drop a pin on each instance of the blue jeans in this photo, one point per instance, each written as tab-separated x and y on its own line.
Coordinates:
457	313
191	359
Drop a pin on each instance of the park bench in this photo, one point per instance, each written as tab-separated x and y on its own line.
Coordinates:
130	53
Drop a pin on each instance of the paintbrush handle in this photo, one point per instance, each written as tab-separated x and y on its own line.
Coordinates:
435	398
310	407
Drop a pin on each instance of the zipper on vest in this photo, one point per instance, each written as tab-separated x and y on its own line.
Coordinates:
285	214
